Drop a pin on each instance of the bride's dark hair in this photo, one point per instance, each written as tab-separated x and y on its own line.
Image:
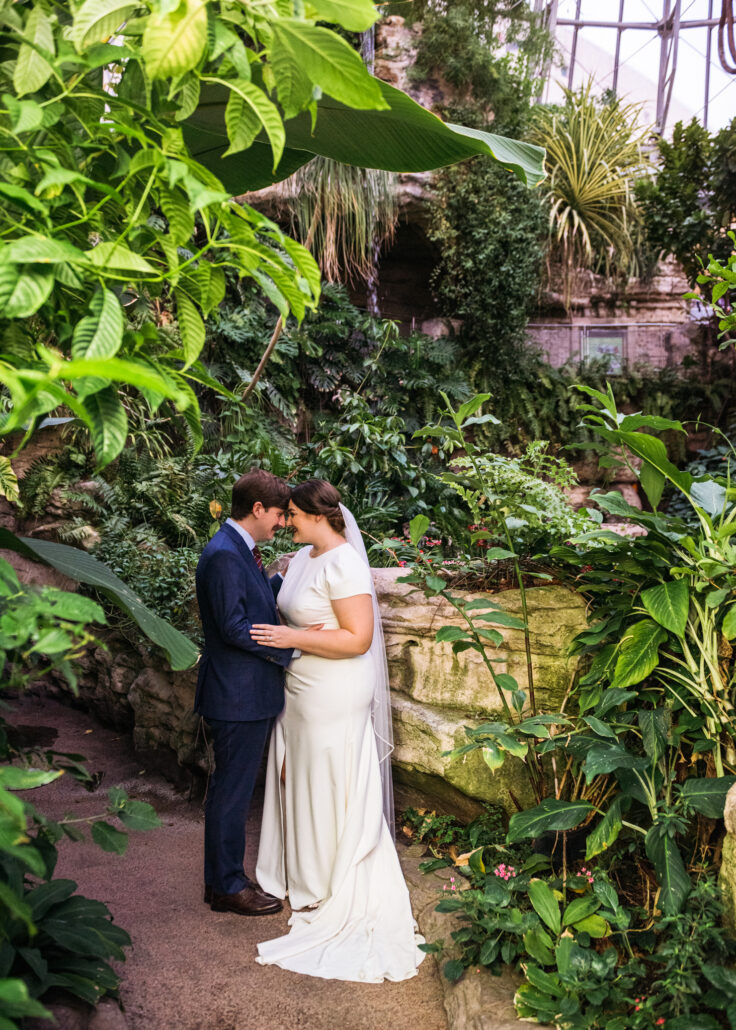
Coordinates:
318	497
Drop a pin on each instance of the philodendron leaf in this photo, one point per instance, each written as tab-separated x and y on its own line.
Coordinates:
669	604
664	854
707	795
639	653
551	814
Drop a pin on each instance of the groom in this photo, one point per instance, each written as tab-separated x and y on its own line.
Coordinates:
240	687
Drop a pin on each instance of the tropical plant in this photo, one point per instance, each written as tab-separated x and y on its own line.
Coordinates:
719	279
595	154
101	204
50	936
687	199
342	213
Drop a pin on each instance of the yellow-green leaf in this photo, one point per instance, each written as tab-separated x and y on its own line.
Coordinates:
173	42
247	110
97	20
32	71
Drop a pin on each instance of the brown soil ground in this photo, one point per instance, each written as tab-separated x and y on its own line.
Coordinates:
190	968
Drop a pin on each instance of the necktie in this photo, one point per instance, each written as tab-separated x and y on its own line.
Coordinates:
257	555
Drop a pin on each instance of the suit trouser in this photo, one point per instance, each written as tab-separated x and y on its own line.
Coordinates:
238	750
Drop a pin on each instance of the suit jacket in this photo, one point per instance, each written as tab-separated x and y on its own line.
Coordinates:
238	680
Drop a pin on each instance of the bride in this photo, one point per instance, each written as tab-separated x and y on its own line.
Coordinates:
327	834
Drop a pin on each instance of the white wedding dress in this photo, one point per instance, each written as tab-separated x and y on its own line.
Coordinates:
324	838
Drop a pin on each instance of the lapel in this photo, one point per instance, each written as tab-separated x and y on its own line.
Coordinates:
251	564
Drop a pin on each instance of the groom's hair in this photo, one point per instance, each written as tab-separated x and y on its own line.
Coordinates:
258	485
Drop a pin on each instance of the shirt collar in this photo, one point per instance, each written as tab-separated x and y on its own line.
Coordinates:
242	532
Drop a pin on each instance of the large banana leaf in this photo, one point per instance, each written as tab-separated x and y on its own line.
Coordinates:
82	567
406	137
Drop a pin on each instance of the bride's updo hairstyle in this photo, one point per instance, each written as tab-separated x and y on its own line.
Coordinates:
318	497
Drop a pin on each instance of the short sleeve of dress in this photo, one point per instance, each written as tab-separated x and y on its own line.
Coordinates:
347	575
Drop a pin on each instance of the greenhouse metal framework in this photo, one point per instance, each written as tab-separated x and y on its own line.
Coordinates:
670	27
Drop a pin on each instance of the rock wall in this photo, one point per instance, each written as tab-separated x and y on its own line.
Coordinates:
435	693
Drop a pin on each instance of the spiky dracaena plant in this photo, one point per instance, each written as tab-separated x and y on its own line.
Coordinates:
595	154
352	212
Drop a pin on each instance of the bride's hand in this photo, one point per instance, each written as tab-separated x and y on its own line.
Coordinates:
273	636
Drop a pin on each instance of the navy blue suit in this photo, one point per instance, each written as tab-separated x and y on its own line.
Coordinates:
240	689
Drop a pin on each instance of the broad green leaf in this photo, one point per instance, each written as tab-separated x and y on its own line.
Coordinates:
711	496
605	833
652	482
674	881
655	725
545	905
450	633
30	291
191	328
417	528
108	838
492	756
17	1002
551	814
12	777
304	56
599	727
46	895
108	423
668	604
42	250
706	795
175	207
113	255
604	758
249	109
353	15
82	567
579	909
403	137
729	623
32	70
540	946
595	925
97	20
100	334
174	40
138	815
639	654
21	198
16	906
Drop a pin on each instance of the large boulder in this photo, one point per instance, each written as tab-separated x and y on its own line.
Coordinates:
436	693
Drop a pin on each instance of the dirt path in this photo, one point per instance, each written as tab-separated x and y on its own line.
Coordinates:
189	968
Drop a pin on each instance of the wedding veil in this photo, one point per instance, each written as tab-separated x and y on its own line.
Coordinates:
381	708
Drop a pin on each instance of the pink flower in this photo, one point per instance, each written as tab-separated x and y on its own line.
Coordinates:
660	1021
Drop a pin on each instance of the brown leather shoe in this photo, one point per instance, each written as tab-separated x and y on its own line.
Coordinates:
247	902
256	887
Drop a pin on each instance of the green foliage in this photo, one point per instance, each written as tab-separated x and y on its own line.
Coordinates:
719	279
594	157
492	247
687	204
489	54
